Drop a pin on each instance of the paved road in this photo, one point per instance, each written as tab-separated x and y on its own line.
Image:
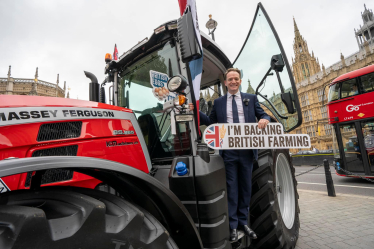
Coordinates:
341	222
315	180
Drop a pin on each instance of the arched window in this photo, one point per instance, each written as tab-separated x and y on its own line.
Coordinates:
307	70
303	68
300	48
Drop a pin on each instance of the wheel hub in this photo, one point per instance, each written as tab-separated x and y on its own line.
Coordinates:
285	190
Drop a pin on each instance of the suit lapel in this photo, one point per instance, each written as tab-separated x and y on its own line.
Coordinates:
245	108
224	109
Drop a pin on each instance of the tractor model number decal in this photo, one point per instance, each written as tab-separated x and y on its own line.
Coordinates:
116	143
123	132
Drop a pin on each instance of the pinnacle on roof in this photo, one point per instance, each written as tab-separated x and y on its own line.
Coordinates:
295	25
36	74
64	86
58	81
9	71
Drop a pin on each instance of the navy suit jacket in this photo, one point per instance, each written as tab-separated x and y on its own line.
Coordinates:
219	113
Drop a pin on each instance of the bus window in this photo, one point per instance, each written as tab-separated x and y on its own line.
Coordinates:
349	88
367	82
334	92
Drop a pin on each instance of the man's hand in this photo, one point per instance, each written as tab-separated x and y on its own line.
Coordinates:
191	106
263	123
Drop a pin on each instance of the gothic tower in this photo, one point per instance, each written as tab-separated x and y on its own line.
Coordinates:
366	32
304	64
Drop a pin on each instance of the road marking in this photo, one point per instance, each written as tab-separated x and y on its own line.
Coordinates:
348	186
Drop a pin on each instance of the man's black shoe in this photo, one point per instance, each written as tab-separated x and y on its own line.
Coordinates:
233	235
249	232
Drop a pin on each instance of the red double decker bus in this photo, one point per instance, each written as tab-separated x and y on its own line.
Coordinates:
351	112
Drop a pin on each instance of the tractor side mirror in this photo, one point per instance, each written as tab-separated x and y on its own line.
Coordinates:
288	102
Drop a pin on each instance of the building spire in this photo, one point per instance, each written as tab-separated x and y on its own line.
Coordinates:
295	27
342	59
34	86
36	74
9	71
64	87
58	81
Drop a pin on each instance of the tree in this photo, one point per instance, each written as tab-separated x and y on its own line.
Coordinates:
250	88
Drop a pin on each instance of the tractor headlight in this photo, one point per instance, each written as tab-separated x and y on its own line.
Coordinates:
177	83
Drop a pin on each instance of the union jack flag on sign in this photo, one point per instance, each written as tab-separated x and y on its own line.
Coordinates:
212	136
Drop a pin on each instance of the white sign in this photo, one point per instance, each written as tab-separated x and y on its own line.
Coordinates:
159	84
249	136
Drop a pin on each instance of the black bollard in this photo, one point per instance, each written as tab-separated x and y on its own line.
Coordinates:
329	182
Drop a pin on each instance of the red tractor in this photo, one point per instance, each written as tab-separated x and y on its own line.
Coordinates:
134	173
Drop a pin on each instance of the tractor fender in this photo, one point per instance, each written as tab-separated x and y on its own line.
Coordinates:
130	183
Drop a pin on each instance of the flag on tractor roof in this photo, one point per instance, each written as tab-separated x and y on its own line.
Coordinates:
115	53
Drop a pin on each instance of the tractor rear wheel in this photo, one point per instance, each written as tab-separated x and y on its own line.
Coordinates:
274	210
66	217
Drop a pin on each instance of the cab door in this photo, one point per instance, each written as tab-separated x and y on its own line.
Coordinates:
260	61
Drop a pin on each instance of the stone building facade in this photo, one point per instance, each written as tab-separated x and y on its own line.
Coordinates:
311	80
19	86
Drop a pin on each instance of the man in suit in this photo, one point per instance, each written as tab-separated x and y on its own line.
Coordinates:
237	107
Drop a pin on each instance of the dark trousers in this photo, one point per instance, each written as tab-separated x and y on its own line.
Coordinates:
239	165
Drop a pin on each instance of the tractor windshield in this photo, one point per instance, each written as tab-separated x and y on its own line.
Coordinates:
136	92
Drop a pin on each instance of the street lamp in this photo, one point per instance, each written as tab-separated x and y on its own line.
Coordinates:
211	24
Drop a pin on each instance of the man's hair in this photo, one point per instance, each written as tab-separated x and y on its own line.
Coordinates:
232	70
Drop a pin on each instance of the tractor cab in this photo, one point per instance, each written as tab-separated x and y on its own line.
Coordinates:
262	61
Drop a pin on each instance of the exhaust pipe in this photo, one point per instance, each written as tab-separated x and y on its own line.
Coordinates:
94	87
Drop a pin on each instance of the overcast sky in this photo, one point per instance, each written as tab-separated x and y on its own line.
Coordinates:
68	37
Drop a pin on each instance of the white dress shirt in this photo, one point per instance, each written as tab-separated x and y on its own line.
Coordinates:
239	104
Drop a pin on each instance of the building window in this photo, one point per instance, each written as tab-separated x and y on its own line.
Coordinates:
324	111
307	116
304	100
311	131
303	69
307	70
320	95
327	129
300	48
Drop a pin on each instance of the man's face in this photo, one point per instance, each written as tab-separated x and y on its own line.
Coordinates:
233	82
